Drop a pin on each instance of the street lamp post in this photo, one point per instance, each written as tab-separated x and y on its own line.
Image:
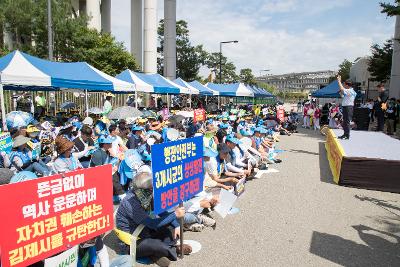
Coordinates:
49	30
220	57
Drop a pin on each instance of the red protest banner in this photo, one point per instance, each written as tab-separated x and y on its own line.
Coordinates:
280	113
49	215
199	115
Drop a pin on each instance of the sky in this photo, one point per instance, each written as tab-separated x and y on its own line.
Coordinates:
280	35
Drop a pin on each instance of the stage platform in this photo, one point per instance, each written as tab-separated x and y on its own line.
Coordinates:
369	160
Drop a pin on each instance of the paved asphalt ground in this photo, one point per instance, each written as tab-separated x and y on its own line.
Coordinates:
298	217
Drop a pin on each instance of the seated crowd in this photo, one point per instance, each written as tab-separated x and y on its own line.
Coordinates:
237	144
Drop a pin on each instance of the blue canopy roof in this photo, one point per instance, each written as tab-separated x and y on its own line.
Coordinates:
329	91
20	71
204	90
158	83
259	92
233	89
191	89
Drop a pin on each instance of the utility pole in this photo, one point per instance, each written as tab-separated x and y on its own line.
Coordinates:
49	30
220	57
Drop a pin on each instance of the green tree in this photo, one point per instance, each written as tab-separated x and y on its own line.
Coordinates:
17	20
228	69
269	88
26	20
246	76
189	57
390	9
344	69
380	63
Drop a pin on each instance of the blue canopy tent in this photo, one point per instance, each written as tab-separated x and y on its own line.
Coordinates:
20	71
154	83
192	90
258	92
329	91
231	90
204	90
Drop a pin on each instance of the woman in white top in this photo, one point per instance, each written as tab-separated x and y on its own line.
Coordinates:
65	160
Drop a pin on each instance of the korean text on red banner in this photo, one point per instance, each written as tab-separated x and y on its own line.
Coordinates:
199	115
49	215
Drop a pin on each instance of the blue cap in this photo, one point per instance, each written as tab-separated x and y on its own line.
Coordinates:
146	157
245	133
106	139
77	124
209	152
223	126
137	128
233	139
261	130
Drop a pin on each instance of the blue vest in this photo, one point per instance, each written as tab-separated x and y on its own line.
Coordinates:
23	155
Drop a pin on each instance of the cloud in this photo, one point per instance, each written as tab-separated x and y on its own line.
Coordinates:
279	6
284	39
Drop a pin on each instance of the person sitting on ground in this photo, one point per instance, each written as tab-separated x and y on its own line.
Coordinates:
65	160
66	131
210	139
216	167
21	158
118	146
156	240
210	180
84	146
102	156
124	133
195	220
137	138
236	161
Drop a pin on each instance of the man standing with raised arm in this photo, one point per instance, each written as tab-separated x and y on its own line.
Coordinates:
348	95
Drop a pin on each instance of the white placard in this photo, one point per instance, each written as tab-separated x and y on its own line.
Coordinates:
262	172
68	258
226	201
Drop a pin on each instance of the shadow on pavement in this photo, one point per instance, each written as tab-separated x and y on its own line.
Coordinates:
303	151
382	248
380	203
324	169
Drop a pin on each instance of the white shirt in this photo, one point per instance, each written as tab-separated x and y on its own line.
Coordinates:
348	97
115	145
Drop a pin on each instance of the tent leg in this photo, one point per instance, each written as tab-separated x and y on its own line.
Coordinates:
87	103
3	108
168	101
136	100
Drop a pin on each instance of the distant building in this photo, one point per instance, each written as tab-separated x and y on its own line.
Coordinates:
359	74
303	82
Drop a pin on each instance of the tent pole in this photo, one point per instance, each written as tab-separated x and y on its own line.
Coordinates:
168	101
87	103
136	100
206	100
3	108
